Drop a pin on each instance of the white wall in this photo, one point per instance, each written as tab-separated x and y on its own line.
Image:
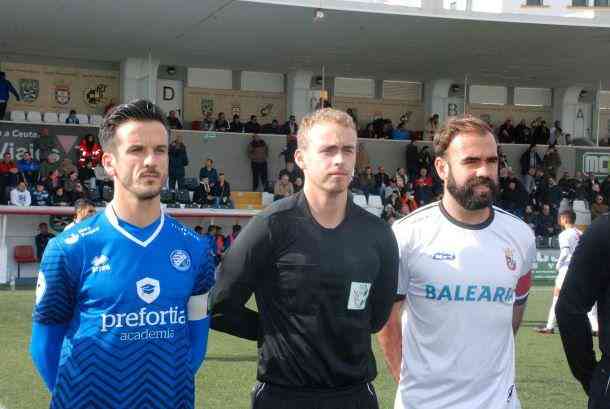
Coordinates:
483	94
262	81
354	87
533	96
209	78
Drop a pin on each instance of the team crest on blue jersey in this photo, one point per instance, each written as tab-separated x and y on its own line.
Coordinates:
71	239
148	289
510	259
181	260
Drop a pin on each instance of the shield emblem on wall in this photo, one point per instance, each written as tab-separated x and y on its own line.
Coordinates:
29	89
97	95
207	105
266	110
62	94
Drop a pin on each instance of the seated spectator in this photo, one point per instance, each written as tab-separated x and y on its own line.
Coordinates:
522	133
70	182
89	150
20	196
208	123
514	198
72	119
203	194
86	175
222	193
209	172
236	125
401	133
546	224
42	239
28	169
173	121
221	124
530	217
48	165
598	207
252	126
530	159
506	133
78	193
368	132
552	194
66	168
292	171
60	198
271	128
53	181
283	188
298	184
40	196
424	188
291	127
8	177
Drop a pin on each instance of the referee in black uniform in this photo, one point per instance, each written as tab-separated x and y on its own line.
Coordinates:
324	274
587	283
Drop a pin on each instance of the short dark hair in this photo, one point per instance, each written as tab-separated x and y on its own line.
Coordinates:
211	228
72	112
138	110
569	214
83	204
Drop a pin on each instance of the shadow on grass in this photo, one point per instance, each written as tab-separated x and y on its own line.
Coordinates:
532	323
232	358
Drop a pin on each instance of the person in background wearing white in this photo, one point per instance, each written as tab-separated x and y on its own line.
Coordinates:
20	196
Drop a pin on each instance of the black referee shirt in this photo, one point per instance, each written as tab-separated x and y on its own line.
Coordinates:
320	293
587	283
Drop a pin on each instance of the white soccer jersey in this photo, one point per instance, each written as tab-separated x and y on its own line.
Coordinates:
568	240
460	283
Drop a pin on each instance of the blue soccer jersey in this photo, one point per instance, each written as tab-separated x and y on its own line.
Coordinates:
126	296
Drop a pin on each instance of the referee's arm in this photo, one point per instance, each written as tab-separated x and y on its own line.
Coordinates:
384	288
586	279
237	277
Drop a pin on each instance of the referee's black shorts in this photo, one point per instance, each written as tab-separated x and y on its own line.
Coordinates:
266	396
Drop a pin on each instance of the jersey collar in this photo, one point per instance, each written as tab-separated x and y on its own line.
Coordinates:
458	223
112	218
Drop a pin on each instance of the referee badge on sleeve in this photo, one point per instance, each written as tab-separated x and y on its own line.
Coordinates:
358	294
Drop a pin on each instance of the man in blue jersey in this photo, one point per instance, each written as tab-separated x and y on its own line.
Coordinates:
121	303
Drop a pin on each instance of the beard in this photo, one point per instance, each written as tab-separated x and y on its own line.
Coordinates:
142	193
466	195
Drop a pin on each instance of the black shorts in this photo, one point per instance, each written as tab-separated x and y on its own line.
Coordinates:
266	396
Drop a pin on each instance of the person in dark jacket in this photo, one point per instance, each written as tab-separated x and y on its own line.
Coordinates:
40	196
523	133
514	198
222	192
6	89
173	121
252	126
42	239
530	159
546	224
290	127
412	157
258	152
28	169
209	172
221	124
204	195
236	125
178	160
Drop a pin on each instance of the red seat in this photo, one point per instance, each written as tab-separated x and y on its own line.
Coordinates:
24	254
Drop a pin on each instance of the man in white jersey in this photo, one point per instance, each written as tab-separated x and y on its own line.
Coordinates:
463	282
568	240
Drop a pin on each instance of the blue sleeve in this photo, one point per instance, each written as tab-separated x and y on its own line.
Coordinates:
45	349
199	320
55	303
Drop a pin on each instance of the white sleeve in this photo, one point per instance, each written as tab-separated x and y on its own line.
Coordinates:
530	254
28	199
401	232
14	200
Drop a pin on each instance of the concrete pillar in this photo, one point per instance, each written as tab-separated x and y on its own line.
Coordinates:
436	98
139	79
298	93
576	117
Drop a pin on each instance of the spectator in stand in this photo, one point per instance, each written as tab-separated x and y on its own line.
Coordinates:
424	188
79	192
222	193
9	176
412	160
272	128
523	134
178	161
298	184
236	125
362	158
83	209
401	133
506	133
219	241
20	196
258	152
221	124
530	159
431	127
208	123
101	179
598	207
6	89
551	161
425	159
45	144
49	165
514	198
292	171
368	132
203	194
552	194
366	183
291	127
283	188
382	179
70	184
230	239
40	196
388	129
542	133
66	168
54	181
173	122
529	181
28	169
530	217
60	198
42	239
208	171
546	224
291	147
72	118
86	175
252	126
402	174
89	150
556	134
